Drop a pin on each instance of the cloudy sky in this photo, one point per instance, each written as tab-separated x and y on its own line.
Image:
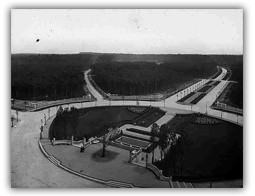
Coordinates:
169	31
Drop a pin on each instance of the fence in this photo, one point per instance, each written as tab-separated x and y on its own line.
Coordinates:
158	172
135	154
122	145
97	87
153	97
40	105
223	106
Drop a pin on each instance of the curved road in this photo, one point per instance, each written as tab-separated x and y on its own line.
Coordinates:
30	168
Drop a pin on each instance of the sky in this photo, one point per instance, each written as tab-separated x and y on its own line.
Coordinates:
146	31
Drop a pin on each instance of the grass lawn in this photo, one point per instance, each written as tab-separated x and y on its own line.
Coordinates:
204	89
133	141
215	150
186	97
94	122
91	122
149	117
208	151
196	100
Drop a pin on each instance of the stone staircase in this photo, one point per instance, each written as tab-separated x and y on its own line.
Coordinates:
177	184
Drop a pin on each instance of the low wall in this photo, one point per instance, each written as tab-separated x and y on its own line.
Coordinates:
46	104
158	172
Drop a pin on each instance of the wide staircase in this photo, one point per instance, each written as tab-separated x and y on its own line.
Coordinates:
177	184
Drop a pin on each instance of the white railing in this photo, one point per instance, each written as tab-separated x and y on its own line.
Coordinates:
39	105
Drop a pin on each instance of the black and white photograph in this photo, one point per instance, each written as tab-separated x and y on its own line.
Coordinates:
126	98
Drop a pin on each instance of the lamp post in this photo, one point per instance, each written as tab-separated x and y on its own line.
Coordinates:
41	128
17	114
44	119
12	118
49	113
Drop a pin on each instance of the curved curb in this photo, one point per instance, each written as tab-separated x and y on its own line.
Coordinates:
111	183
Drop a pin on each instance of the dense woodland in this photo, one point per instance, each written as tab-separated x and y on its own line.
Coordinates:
52	77
132	78
48	77
236	90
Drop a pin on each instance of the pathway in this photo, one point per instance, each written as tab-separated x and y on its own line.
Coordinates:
29	167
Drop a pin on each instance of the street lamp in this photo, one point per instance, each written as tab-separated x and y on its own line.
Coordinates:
41	128
44	119
12	118
49	112
17	114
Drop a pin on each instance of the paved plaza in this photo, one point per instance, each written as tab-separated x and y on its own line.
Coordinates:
118	169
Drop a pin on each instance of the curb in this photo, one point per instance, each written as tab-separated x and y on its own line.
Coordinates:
111	183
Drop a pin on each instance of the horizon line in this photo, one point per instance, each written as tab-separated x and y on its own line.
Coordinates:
129	53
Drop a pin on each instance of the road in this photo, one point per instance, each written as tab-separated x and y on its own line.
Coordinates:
203	106
29	167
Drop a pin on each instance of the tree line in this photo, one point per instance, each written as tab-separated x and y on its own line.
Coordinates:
48	77
133	78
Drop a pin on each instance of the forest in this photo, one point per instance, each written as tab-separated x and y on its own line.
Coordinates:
132	78
235	93
53	77
48	77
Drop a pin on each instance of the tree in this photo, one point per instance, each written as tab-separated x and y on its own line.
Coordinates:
163	139
12	101
154	137
104	144
25	104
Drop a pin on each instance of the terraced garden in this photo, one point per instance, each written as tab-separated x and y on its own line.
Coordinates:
92	122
